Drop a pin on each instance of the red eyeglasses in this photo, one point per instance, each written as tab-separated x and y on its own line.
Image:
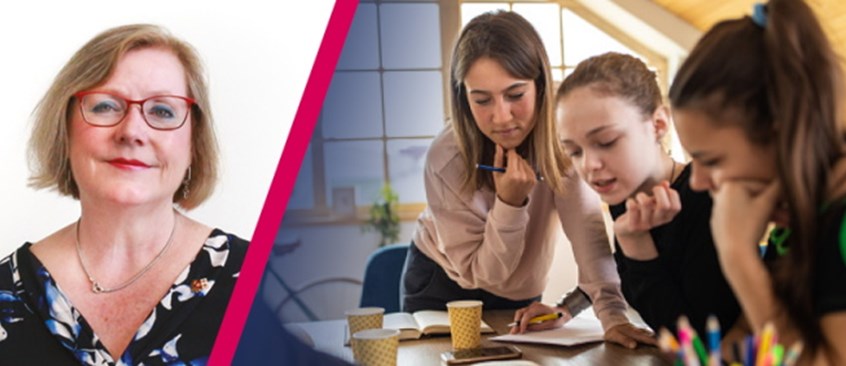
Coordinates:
161	112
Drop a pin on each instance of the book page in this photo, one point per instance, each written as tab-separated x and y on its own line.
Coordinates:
404	322
437	322
585	328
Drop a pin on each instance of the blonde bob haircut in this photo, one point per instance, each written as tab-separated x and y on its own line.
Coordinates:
509	39
91	66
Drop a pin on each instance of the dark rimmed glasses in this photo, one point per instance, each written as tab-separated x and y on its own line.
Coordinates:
161	112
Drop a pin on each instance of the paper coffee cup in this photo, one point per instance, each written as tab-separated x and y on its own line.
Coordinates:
376	347
364	318
465	323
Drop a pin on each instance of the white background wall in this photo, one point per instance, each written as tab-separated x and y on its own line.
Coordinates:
257	54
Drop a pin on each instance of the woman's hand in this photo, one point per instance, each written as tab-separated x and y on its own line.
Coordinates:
513	186
522	316
740	215
628	335
643	213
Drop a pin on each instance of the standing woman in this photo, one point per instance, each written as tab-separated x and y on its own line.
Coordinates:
126	129
611	120
764	124
491	235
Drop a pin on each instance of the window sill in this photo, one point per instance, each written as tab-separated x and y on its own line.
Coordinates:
407	212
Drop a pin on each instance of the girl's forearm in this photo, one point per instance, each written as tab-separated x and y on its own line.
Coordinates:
639	247
751	282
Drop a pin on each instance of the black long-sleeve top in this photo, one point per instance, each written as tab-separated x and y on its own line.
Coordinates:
686	277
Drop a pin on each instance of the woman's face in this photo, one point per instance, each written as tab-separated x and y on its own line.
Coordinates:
722	152
614	147
503	106
131	163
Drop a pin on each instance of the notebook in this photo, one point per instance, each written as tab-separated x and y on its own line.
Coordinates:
584	328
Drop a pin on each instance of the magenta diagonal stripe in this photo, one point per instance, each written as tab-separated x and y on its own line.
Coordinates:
283	182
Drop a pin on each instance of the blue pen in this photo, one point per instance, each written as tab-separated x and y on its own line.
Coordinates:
713	327
750	351
500	170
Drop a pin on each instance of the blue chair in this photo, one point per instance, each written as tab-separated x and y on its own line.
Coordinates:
382	277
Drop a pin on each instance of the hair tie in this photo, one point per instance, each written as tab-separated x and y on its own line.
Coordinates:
759	14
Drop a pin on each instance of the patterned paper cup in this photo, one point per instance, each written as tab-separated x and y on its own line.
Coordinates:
465	323
364	318
376	347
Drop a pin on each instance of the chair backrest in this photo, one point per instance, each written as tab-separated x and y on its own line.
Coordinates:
382	277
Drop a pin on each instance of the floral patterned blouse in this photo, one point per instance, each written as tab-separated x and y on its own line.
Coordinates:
39	325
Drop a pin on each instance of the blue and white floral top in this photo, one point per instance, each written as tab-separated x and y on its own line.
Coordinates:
39	325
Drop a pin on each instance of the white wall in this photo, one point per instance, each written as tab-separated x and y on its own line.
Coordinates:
257	54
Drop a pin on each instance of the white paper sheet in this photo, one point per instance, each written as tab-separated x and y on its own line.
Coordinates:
585	328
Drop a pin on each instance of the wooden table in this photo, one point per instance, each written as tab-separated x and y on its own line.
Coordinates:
328	336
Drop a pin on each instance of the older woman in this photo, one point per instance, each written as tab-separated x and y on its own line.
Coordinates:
126	129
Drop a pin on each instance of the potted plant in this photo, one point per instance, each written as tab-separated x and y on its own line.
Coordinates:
383	216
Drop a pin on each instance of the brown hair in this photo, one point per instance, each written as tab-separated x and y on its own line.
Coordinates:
616	74
510	40
91	66
785	79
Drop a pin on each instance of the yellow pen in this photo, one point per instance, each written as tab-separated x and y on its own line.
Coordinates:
765	344
540	319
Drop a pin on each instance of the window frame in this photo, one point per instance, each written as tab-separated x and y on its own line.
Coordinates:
450	26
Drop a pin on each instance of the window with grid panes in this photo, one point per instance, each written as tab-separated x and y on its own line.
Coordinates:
383	108
386	101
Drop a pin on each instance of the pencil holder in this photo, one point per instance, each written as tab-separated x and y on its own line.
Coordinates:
759	350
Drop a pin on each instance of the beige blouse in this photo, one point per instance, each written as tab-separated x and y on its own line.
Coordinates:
482	242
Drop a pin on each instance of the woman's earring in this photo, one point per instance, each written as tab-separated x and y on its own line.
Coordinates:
185	183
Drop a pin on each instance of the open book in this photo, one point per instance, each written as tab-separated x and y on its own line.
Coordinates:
424	322
417	324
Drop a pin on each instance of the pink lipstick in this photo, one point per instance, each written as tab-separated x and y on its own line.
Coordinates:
128	164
